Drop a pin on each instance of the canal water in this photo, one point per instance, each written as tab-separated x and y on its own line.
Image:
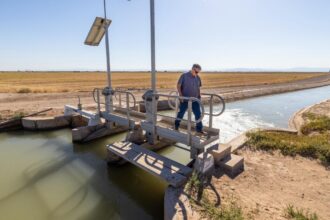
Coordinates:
43	175
266	111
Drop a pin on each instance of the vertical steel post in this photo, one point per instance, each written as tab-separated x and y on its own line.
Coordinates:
189	129
127	109
109	97
211	112
119	100
98	102
153	48
176	106
153	67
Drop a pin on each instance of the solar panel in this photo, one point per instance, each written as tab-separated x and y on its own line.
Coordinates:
97	31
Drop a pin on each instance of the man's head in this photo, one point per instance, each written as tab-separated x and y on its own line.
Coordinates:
196	68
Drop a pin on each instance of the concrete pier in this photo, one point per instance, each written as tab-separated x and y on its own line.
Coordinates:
88	133
49	123
46	123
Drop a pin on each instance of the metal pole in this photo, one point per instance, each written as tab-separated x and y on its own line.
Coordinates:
128	111
189	122
107	45
120	99
98	103
153	69
176	106
211	111
153	50
192	148
109	97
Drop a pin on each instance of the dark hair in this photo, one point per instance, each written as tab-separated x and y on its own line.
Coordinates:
197	66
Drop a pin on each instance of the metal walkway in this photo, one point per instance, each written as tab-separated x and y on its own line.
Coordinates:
156	125
172	172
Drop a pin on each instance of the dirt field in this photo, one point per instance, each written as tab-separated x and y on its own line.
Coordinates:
231	86
45	82
271	182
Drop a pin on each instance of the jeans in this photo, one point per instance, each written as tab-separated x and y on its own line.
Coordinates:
196	110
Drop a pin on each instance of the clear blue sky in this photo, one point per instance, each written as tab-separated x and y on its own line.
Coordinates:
218	34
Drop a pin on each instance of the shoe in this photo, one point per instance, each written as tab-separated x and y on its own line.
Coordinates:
176	129
201	133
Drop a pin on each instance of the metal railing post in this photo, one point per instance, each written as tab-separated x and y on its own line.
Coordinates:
211	111
107	104
154	118
98	102
119	99
176	106
189	128
128	111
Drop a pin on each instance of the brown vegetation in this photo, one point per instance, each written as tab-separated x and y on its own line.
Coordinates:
44	82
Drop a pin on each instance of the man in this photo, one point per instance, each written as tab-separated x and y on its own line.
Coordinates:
189	86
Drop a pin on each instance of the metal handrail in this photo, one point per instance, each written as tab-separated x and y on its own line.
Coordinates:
96	100
189	99
169	101
113	93
119	92
210	100
222	101
155	97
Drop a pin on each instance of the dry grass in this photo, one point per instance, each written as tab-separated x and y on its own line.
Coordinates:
294	213
200	199
315	123
85	81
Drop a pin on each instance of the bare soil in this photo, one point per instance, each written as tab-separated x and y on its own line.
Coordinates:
15	103
270	182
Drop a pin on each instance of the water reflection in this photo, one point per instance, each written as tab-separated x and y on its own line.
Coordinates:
45	176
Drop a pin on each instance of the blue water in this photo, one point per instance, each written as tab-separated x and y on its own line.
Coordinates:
265	111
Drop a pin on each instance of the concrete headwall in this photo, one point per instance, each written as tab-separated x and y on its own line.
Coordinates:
49	123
